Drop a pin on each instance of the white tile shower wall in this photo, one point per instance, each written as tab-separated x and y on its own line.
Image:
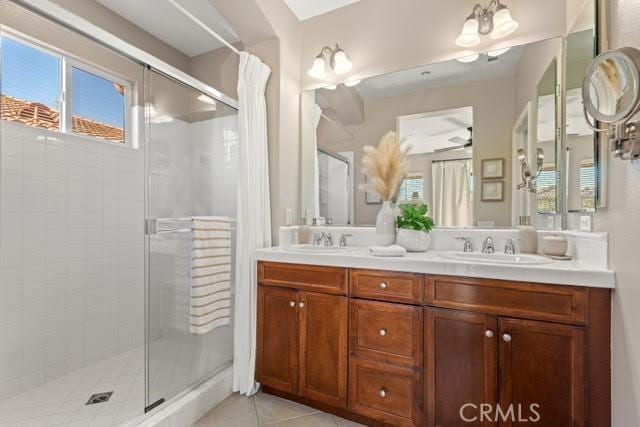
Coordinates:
71	254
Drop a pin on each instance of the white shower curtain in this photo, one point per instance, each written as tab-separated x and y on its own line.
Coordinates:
254	214
452	198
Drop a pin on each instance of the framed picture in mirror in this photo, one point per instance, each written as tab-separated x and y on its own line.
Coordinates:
369	197
493	168
493	191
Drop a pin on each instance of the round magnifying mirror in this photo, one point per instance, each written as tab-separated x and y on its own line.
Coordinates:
610	89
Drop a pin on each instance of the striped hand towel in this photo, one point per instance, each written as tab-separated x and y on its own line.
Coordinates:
210	273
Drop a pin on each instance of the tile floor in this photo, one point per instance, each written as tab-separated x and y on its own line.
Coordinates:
263	409
63	400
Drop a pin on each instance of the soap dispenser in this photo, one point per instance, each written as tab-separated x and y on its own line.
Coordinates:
528	236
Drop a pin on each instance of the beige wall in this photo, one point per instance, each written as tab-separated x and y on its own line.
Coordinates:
219	69
493	116
620	219
381	36
101	16
283	104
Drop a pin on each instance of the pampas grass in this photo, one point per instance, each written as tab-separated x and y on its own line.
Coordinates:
385	166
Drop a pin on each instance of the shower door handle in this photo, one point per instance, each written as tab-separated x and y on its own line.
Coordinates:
151	226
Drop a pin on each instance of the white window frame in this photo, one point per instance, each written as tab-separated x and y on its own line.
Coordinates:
67	63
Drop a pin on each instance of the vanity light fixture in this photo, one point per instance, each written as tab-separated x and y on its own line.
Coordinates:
352	83
469	58
331	87
495	20
338	59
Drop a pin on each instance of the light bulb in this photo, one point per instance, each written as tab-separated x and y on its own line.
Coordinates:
341	63
469	58
503	23
352	83
469	35
331	87
317	69
498	52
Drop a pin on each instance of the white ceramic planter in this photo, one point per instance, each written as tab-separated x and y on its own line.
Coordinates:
413	240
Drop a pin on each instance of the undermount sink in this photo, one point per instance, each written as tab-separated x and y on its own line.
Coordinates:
306	248
518	259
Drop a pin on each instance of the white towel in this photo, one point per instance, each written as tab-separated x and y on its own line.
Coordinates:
393	250
210	305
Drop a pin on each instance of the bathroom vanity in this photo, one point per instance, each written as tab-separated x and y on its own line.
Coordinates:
384	341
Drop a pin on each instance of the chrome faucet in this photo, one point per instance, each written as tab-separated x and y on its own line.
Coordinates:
322	239
468	246
510	247
343	239
487	246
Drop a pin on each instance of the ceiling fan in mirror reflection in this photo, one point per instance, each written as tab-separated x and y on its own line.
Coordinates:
495	21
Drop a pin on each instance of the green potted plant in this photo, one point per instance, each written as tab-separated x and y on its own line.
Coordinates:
413	228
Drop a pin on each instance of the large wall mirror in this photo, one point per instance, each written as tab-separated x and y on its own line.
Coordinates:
486	136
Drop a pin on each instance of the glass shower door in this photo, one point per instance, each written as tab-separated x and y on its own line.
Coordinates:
191	166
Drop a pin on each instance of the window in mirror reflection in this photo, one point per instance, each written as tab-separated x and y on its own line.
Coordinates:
412	189
546	189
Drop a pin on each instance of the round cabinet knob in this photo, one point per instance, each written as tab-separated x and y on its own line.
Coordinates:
382	392
383	332
488	333
292	303
300	304
383	285
506	337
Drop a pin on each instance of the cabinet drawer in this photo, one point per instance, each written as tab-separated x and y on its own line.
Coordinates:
385	393
329	280
516	299
386	332
387	286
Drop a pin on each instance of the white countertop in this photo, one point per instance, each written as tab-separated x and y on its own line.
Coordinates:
556	272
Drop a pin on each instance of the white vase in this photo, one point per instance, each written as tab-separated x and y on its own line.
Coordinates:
386	224
413	240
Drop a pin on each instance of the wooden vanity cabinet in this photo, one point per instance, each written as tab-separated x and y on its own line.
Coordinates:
403	349
302	335
461	364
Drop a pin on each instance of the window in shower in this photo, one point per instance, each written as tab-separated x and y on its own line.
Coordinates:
44	89
31	85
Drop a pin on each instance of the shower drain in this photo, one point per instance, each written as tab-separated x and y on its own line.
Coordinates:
99	398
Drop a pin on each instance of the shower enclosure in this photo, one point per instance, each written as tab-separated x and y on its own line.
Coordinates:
105	160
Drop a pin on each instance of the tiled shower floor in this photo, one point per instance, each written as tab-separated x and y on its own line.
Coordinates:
62	401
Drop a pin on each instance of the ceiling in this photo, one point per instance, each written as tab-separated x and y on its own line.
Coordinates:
305	9
161	19
432	131
438	75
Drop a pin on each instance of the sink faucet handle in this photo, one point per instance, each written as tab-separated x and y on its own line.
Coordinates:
317	238
510	247
468	246
343	239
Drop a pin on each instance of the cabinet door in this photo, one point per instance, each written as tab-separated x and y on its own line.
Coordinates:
461	352
323	348
277	338
542	364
